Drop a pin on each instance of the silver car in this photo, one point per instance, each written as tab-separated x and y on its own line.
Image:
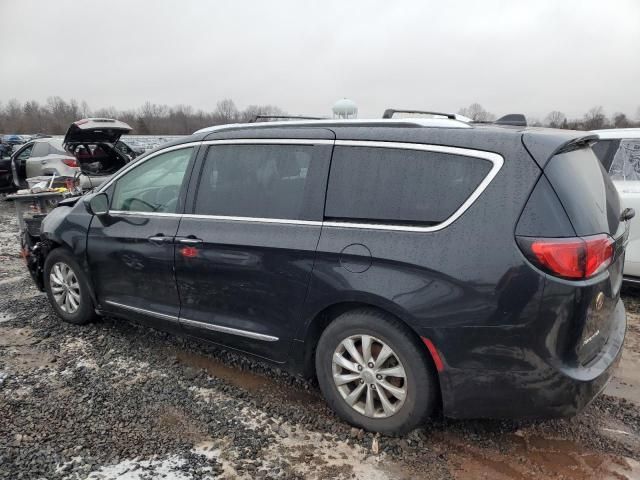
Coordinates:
88	151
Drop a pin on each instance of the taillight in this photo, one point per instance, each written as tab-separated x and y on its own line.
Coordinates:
70	162
575	258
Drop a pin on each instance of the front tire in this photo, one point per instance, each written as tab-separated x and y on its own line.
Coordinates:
67	288
373	373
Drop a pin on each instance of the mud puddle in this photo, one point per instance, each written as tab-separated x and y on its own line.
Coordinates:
627	378
19	349
246	380
524	457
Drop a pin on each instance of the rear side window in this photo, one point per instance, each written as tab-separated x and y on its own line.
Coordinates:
40	149
626	161
261	181
391	185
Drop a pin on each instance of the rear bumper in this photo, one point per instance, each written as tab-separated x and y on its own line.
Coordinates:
549	390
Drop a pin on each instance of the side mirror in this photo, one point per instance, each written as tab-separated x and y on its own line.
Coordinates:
97	204
627	214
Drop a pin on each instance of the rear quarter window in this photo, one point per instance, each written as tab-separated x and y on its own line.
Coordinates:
40	149
392	185
587	193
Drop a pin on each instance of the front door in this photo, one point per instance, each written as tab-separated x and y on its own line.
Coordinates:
246	249
131	250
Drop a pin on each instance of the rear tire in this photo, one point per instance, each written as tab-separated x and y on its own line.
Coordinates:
67	288
387	385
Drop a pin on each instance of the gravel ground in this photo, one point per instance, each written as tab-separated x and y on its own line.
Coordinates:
119	400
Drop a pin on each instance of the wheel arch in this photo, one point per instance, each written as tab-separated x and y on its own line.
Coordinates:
323	317
51	245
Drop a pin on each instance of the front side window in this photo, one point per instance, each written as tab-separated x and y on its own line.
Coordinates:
391	185
259	181
154	185
626	161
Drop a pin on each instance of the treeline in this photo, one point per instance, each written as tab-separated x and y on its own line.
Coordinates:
594	119
54	116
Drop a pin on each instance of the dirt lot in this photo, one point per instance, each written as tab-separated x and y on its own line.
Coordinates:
117	400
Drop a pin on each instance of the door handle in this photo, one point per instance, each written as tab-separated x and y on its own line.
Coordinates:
190	241
160	239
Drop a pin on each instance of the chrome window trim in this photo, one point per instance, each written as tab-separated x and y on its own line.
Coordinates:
496	159
195	323
280	221
127	213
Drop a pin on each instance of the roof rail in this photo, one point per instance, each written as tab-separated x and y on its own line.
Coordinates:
377	122
390	112
276	118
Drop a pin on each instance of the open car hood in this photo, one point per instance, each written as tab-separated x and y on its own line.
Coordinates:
90	130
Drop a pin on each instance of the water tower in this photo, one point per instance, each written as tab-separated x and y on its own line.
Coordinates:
345	108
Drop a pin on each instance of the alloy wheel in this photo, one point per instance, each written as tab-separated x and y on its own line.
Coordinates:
369	376
65	287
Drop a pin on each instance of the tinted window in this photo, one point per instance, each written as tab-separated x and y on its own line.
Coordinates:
586	191
262	181
395	185
605	150
154	185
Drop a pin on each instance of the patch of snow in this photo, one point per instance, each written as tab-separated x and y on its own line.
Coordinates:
139	470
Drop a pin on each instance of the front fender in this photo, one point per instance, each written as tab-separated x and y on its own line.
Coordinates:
68	227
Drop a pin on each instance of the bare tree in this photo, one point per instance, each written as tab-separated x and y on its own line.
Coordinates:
620	120
556	119
477	113
595	119
84	109
226	111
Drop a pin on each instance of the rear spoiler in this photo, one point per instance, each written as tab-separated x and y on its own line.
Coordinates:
543	144
280	118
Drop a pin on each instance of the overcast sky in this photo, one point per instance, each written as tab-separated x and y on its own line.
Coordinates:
510	56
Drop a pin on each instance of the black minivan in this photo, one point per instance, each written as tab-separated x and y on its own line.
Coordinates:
409	264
